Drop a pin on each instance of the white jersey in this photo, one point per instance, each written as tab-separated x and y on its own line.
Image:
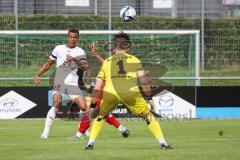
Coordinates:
66	72
60	53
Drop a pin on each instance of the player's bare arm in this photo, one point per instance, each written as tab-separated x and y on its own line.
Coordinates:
97	90
145	82
83	64
88	79
96	54
42	70
69	58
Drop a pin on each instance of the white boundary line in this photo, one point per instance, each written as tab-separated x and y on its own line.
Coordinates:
163	78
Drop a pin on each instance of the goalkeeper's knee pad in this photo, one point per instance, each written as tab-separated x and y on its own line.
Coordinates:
149	119
100	118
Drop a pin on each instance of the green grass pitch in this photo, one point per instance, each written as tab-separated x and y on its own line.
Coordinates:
193	140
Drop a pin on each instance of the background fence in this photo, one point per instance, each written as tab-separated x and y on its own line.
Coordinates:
218	21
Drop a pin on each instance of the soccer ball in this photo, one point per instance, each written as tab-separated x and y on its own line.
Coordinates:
127	13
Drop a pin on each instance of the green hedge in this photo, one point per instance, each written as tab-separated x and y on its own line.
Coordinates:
55	22
222	36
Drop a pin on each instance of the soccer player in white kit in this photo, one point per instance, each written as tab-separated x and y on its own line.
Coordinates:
69	58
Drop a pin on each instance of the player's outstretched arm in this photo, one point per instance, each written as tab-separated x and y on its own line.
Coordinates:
42	70
82	64
97	90
88	79
96	54
145	82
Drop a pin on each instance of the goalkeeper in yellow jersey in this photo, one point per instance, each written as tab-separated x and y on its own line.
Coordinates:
121	75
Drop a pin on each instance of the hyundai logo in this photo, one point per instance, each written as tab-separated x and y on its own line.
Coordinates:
8	102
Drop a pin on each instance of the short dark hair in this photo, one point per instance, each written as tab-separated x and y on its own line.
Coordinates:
122	40
73	30
121	35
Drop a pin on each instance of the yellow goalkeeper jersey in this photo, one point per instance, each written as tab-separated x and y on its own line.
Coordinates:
120	73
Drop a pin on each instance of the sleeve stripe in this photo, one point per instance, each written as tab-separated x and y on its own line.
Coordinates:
139	69
100	78
54	56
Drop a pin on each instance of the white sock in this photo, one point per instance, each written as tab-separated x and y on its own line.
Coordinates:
78	134
87	133
91	141
162	141
121	128
49	119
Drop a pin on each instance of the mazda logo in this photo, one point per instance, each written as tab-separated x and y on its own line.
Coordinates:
166	101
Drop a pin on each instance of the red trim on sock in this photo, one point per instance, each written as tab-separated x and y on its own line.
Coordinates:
84	124
113	121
